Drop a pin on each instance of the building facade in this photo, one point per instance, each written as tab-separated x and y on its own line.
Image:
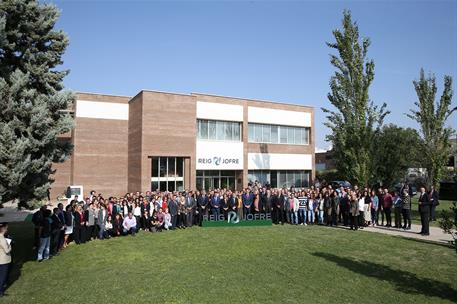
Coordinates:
169	141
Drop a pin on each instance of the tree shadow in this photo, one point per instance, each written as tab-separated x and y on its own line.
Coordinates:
430	242
22	248
403	281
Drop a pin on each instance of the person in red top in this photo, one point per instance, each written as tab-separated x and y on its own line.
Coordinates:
164	203
387	205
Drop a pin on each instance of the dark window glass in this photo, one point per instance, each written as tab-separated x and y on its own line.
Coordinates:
180	166
163	166
171	186
155	167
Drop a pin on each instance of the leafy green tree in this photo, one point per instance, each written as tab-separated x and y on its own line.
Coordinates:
448	223
436	136
396	150
355	120
32	100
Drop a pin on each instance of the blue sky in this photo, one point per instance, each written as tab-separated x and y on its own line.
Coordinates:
272	50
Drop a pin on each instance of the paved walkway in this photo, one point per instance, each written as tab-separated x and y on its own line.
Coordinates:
436	234
9	213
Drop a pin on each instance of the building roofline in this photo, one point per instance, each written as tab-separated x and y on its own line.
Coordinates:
258	100
197	94
93	93
163	92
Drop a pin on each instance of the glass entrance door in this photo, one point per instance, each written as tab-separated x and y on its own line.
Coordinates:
213	179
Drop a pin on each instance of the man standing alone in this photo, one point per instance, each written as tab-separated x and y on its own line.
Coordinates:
424	210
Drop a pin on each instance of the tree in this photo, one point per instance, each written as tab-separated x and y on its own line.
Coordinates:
32	100
356	120
397	149
436	137
448	223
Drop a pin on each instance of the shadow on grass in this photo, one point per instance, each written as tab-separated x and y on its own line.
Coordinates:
403	281
22	235
430	242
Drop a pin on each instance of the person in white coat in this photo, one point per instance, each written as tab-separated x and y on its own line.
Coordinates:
5	256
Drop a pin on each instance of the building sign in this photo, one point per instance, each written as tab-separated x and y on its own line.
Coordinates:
232	219
219	155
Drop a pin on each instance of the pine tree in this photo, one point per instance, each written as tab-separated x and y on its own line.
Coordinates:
436	137
356	120
32	100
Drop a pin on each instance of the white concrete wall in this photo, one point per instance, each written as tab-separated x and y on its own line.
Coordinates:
279	117
219	111
102	110
279	161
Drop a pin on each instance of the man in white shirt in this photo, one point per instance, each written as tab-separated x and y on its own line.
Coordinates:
129	224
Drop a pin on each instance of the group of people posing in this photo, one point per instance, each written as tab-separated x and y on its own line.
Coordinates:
97	217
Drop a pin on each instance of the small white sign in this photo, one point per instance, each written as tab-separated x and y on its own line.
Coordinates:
219	155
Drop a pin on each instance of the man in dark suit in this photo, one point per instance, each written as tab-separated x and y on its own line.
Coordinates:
215	206
190	206
202	205
434	201
56	227
424	211
173	209
101	220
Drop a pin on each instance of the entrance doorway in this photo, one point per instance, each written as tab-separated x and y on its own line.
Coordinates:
212	179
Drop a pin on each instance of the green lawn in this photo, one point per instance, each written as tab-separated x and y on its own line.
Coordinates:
278	264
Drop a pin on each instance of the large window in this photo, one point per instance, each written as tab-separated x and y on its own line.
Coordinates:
261	133
213	179
167	174
280	178
218	130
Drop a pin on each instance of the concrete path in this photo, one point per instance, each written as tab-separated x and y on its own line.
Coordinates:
436	234
10	213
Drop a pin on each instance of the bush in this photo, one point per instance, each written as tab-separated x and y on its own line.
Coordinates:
448	223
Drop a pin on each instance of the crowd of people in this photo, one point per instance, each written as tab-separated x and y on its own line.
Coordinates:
97	217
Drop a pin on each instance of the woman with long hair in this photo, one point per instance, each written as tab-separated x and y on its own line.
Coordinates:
69	223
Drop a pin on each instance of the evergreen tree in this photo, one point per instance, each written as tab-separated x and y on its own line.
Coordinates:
32	103
436	137
356	119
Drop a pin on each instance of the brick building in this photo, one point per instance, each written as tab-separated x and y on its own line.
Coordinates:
169	141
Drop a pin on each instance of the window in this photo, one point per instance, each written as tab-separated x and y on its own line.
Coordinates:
258	133
280	179
236	130
211	179
167	173
262	133
251	137
290	135
283	131
218	130
203	129
305	136
266	134
211	130
274	134
298	136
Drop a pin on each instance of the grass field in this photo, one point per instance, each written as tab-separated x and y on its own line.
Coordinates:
278	264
